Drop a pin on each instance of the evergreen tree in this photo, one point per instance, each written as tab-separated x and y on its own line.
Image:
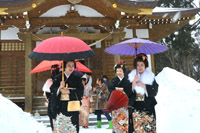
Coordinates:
183	53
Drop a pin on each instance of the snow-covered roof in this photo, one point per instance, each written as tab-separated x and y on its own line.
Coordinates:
157	11
164	9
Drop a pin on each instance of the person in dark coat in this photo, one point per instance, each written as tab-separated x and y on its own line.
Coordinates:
146	88
121	81
73	92
47	92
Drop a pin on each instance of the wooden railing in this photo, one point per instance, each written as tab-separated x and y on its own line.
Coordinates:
14	93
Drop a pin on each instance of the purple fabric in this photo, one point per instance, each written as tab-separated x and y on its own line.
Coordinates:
128	47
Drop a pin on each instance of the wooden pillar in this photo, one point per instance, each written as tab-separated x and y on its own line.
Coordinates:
152	64
116	39
28	77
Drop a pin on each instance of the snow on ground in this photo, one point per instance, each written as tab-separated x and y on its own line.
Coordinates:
14	120
92	129
177	110
178	105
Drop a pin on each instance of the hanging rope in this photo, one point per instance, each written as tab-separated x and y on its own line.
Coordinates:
89	44
38	37
99	40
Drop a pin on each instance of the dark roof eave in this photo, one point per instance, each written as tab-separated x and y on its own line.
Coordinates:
144	4
13	3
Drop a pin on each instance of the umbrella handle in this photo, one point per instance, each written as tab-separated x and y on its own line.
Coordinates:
63	75
62	70
136	60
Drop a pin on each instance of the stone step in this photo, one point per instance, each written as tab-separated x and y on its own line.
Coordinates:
39	107
40	111
92	120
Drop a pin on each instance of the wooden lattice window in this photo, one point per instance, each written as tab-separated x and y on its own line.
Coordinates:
11	45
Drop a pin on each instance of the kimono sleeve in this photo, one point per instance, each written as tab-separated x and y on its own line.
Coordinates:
79	89
152	90
112	84
54	100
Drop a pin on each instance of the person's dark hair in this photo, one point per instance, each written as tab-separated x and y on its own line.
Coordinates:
55	70
120	65
88	73
100	79
141	58
65	62
104	76
83	79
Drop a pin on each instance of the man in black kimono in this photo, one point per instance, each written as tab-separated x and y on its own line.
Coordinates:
73	92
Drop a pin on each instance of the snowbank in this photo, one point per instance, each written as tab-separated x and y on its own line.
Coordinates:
178	108
178	105
14	120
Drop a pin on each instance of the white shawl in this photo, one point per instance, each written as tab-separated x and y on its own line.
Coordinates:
88	86
147	77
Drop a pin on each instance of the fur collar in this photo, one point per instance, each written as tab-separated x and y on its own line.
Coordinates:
147	77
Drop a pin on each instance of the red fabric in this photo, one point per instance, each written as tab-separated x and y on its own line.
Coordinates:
62	44
117	100
82	68
46	65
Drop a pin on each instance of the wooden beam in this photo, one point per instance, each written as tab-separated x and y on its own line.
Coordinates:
66	20
23	8
3	27
20	22
28	77
152	64
116	39
44	7
100	6
82	36
128	9
2	11
167	28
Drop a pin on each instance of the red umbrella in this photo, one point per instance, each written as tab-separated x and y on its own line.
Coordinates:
62	48
82	68
46	65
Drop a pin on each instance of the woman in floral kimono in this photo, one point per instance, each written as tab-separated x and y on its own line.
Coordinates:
85	107
101	101
146	88
122	117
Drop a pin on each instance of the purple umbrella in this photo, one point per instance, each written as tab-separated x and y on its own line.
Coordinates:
135	46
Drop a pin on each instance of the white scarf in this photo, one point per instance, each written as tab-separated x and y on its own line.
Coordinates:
147	77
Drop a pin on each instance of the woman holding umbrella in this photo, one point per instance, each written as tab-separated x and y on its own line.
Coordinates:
70	89
146	88
69	49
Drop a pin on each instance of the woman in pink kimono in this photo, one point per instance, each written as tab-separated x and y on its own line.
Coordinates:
85	107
